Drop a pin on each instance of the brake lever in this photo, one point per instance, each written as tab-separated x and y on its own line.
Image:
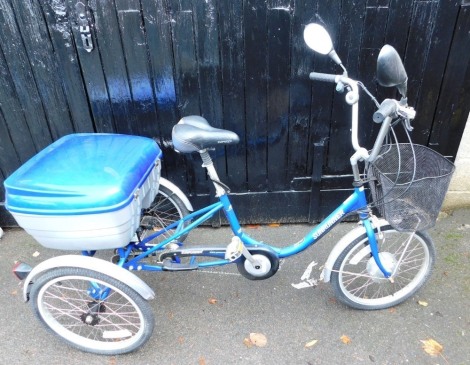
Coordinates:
407	123
407	114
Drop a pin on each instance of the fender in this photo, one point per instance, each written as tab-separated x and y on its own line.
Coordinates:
343	243
91	263
168	184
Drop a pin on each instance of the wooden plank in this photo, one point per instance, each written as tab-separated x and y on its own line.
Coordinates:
453	108
15	125
44	66
157	19
417	56
59	27
336	113
135	54
187	87
6	219
255	19
93	75
399	21
22	76
278	94
114	66
434	72
300	91
348	44
325	101
207	43
186	67
314	211
372	41
210	79
9	160
232	51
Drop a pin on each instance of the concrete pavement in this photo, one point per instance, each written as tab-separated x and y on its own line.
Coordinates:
203	317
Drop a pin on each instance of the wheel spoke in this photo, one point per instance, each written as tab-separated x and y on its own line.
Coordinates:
166	209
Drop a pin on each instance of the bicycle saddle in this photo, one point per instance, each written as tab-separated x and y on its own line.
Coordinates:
194	133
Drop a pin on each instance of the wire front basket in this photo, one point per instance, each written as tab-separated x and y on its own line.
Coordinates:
408	184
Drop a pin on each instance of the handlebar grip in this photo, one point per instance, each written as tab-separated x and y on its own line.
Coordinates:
387	108
318	76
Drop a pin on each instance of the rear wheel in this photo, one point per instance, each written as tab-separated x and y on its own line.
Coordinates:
359	283
165	209
92	311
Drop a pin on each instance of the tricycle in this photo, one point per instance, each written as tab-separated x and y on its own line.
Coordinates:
91	192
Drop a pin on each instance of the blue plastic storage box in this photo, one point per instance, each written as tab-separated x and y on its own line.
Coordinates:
85	191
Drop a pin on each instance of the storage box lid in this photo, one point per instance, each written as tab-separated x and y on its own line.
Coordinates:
82	174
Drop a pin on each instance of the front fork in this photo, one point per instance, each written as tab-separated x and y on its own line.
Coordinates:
373	243
365	218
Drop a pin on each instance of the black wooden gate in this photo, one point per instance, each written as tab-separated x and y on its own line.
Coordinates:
137	66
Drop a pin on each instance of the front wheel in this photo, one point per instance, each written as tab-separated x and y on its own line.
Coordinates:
92	311
359	283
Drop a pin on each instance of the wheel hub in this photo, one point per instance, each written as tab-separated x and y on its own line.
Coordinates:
91	317
388	262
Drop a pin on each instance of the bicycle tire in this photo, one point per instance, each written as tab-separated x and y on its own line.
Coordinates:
359	283
63	301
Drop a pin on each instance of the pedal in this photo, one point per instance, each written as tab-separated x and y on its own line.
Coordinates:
169	265
234	249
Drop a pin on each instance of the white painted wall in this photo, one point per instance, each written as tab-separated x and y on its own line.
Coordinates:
458	195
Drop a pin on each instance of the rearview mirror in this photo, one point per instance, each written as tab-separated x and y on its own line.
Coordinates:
318	39
390	70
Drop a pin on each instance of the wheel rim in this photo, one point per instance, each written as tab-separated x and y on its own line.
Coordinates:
66	306
361	283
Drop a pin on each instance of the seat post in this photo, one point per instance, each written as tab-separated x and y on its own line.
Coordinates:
209	165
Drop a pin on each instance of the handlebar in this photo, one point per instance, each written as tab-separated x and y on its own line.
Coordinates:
319	76
386	109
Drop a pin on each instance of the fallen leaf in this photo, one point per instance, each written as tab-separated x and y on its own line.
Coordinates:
345	339
392	310
310	344
213	301
274	224
258	339
36	254
112	361
181	340
247	342
253	226
14	292
202	361
423	303
432	347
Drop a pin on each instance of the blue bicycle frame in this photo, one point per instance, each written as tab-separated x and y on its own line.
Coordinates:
355	202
